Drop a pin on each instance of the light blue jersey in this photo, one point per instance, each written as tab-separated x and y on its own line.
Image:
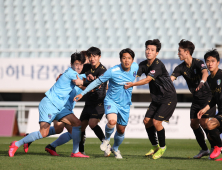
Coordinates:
118	99
49	112
58	93
117	79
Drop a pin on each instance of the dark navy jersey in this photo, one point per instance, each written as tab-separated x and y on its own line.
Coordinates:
96	97
215	86
162	89
193	76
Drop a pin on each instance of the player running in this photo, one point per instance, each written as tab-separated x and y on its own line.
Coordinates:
117	101
93	110
52	107
214	125
195	73
164	98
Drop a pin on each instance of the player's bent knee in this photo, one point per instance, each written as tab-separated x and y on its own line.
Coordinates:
121	131
112	122
210	125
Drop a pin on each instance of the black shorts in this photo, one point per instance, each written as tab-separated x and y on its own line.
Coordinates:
196	107
92	111
161	111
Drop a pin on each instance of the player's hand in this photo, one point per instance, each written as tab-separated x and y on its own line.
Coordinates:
77	98
90	77
58	77
200	86
202	112
128	85
78	81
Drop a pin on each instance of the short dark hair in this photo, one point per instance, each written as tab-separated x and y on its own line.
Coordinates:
127	50
155	42
187	45
213	53
93	51
77	56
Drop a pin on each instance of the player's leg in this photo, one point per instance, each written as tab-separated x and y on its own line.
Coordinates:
111	112
84	118
214	133
72	120
97	113
44	130
163	113
150	129
198	132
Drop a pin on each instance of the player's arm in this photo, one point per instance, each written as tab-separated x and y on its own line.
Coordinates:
203	111
138	83
203	80
91	86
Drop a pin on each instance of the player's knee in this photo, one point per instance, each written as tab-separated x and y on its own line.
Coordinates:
145	121
121	131
44	133
157	123
194	125
59	130
92	124
112	122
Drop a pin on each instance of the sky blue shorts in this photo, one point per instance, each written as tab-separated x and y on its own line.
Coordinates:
122	112
64	112
47	111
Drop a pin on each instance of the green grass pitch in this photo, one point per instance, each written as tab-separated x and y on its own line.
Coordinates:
178	156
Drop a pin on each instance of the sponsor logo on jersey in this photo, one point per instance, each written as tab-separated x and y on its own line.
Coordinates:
134	74
195	71
152	71
108	107
49	116
218	82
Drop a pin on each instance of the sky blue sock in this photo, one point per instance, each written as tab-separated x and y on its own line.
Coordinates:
51	131
62	139
118	139
76	136
31	137
108	132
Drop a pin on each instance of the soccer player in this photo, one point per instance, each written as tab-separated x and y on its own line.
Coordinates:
93	110
164	98
195	73
52	106
117	101
214	125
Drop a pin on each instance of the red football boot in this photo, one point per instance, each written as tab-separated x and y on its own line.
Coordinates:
216	152
79	155
12	149
26	145
51	150
219	159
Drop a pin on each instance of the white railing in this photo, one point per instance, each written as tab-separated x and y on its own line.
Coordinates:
22	109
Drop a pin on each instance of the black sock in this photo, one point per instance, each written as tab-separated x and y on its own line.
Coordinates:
99	133
161	137
215	135
212	143
82	142
200	138
151	131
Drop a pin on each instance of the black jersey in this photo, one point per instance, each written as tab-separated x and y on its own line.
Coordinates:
162	89
215	86
193	76
96	97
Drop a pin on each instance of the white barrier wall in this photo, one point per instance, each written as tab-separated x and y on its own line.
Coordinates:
177	128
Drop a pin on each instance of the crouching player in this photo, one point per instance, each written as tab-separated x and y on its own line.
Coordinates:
117	101
52	106
214	125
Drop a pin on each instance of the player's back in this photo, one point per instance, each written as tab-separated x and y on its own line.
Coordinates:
63	86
